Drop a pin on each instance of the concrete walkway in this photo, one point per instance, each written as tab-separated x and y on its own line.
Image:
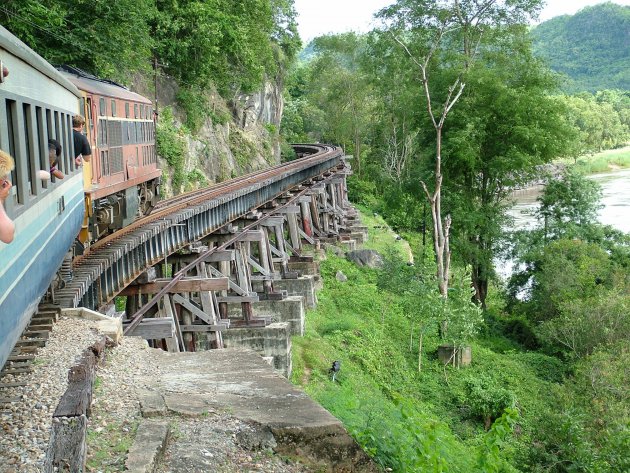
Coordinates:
242	384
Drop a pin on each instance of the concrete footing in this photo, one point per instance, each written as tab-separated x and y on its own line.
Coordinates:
273	340
304	268
303	286
290	310
148	446
348	245
241	383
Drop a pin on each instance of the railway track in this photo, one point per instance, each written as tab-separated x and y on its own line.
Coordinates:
24	352
115	261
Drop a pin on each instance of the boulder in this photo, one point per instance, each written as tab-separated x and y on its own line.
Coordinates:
341	277
369	258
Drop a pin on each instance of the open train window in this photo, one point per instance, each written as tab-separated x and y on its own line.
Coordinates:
42	140
126	109
135	110
102	110
113	108
10	107
29	139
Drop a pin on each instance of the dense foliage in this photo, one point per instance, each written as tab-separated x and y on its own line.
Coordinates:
547	391
233	45
590	47
516	408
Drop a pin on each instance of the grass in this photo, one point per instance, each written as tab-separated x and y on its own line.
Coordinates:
604	161
108	446
409	420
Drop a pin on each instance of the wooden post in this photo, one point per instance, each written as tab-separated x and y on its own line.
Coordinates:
265	260
67	447
306	218
296	241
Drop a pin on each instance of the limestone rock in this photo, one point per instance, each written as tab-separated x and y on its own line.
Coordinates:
341	277
369	258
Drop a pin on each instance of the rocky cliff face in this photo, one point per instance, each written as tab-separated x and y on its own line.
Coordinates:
231	138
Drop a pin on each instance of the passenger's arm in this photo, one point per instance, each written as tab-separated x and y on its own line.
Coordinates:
7	227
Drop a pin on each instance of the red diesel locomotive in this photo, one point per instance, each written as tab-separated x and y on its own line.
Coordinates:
122	179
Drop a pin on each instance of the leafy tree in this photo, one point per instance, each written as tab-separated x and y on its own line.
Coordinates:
587	323
446	37
505	127
338	85
568	201
110	39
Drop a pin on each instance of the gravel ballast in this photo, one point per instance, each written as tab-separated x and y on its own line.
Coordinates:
26	424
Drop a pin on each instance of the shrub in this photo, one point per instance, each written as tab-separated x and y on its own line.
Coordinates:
486	398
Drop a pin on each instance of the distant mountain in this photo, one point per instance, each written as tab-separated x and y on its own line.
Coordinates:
591	47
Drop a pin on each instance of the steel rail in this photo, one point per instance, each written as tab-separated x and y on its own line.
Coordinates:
111	264
213	192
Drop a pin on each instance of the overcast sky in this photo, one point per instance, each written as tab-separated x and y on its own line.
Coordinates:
317	17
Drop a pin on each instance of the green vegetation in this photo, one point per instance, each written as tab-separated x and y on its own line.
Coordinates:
590	47
108	444
518	407
546	388
604	161
233	45
171	147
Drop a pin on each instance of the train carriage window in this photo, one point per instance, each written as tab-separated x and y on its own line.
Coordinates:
135	110
42	141
10	107
113	108
29	137
67	141
126	109
89	123
102	107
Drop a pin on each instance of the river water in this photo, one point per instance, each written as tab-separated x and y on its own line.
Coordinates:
615	199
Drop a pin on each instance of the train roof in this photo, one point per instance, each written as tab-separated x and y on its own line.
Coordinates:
94	85
20	50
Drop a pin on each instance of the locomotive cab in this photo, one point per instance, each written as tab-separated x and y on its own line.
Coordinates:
122	178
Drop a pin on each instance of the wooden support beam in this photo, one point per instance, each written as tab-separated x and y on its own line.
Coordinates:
203	328
289	209
249	235
193	308
217	256
272	221
184	285
239	299
169	311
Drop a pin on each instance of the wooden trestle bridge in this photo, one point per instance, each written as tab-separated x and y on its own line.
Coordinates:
233	242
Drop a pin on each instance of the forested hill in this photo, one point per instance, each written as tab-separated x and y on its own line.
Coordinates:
591	47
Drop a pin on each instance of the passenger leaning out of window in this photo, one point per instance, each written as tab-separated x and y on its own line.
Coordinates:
82	150
54	153
7	227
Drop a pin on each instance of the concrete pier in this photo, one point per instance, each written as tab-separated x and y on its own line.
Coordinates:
198	385
303	286
290	310
274	340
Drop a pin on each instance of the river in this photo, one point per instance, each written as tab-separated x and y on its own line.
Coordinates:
615	199
615	211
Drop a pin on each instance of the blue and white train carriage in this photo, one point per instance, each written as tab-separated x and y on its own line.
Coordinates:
36	103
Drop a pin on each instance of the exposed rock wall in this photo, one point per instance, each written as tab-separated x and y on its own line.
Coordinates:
234	137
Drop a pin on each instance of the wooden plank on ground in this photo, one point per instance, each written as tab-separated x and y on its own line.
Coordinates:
153	329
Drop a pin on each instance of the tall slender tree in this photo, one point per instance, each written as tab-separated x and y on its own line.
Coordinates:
446	37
